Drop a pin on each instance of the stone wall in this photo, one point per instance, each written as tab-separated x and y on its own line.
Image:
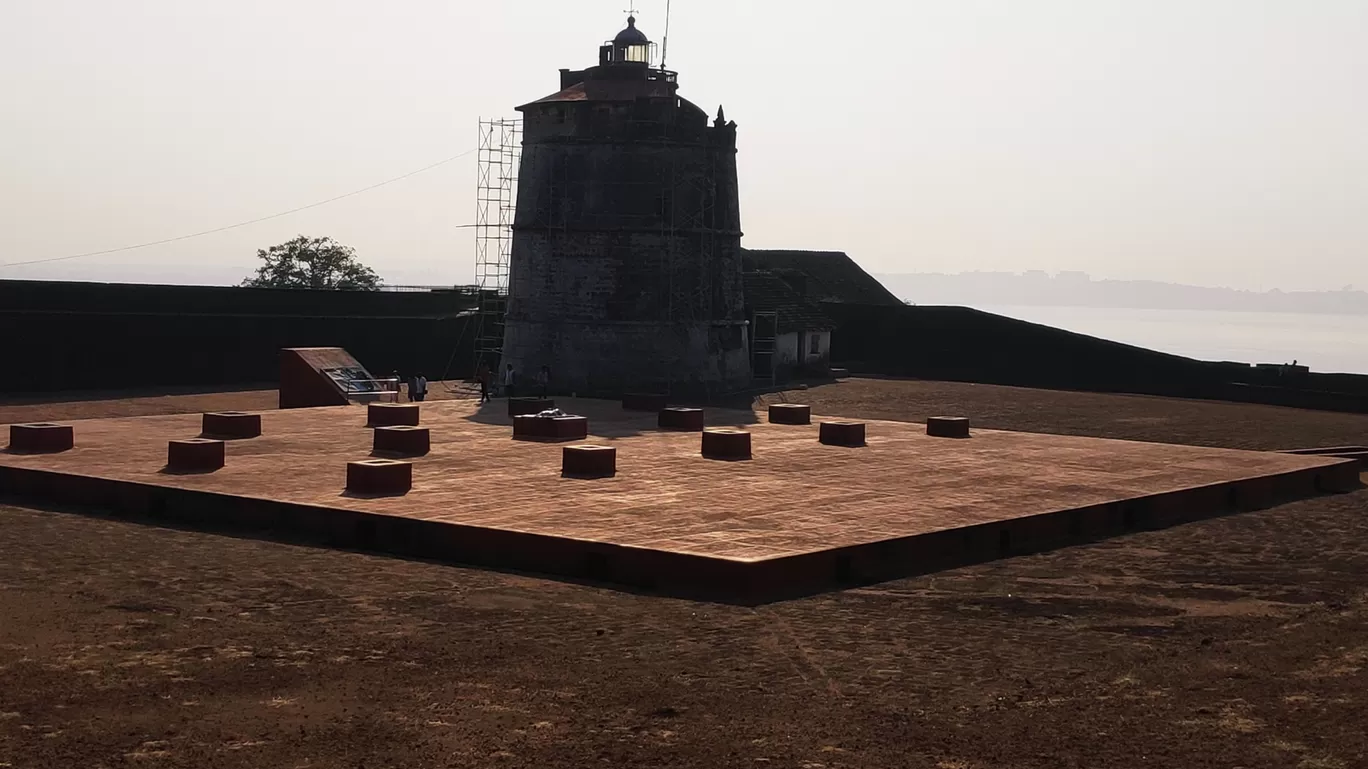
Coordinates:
959	343
963	344
602	358
92	336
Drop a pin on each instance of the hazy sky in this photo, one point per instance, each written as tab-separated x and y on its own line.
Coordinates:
1217	142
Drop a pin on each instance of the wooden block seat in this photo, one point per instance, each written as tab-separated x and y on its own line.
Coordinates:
589	461
391	414
790	414
948	427
520	406
194	455
379	477
726	443
842	433
645	401
550	428
230	425
402	440
676	418
41	438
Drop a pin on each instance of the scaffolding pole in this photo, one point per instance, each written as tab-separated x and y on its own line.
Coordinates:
496	196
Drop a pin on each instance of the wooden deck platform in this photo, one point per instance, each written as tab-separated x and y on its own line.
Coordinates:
799	517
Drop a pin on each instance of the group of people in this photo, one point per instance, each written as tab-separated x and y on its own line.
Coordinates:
418	384
509	382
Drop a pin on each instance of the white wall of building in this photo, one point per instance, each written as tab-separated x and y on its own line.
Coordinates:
786	351
794	352
818	353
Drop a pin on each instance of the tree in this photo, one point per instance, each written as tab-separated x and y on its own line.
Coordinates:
305	262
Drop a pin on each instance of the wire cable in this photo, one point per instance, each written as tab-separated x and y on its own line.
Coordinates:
250	221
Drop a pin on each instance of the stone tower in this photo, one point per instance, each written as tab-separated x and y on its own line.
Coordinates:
626	265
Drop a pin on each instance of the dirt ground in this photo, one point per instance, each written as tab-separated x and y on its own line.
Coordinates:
1236	642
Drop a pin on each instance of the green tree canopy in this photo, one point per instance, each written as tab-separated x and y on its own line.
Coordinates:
312	263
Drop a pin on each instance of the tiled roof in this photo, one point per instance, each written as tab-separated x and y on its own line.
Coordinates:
575	92
829	276
767	292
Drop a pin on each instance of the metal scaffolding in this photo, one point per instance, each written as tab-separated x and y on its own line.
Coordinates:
496	197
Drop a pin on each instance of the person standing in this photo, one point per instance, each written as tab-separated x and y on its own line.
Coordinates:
543	380
509	380
483	376
420	384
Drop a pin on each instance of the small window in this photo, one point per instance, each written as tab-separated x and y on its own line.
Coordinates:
638	53
815	344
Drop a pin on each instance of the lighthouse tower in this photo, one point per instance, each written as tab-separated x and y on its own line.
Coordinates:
625	270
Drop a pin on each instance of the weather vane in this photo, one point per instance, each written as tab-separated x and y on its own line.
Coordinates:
631	10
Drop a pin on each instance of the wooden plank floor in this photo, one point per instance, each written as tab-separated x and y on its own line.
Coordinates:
795	497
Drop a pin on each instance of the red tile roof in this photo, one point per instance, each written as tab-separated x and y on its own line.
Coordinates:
575	92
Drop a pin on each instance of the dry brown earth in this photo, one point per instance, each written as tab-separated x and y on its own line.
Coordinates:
1241	641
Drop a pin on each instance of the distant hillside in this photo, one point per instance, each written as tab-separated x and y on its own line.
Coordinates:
1077	289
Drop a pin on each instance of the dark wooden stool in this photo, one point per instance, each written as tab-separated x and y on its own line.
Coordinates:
391	414
675	418
41	438
842	433
948	427
790	414
231	424
562	428
194	455
726	443
379	476
589	461
402	440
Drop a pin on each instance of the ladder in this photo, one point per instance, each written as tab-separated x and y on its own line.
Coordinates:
764	343
489	328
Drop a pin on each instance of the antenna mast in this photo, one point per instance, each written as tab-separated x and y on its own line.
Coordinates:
665	43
